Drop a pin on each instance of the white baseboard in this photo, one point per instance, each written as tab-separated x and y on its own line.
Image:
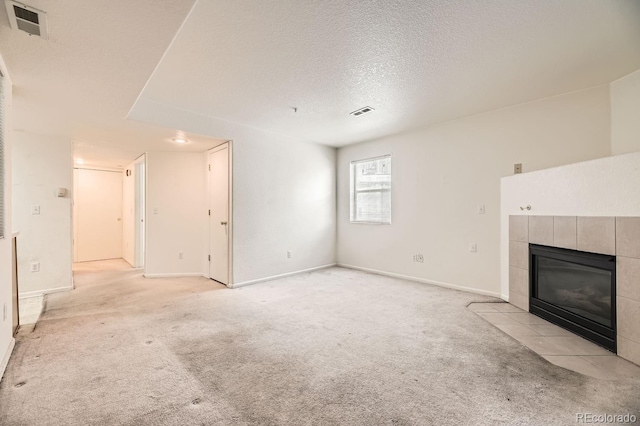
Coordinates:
7	356
275	277
422	280
174	275
35	293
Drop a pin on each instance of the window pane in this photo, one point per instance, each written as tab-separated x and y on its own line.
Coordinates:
374	174
371	190
373	207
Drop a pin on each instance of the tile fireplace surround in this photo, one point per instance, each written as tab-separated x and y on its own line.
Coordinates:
619	236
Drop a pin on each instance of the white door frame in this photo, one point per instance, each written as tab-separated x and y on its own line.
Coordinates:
229	145
140	227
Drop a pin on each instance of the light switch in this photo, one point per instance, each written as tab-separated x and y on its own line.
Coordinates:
35	209
480	208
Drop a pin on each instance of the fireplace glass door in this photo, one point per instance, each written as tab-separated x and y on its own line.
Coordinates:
575	290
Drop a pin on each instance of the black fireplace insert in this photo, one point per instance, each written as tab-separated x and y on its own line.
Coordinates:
575	290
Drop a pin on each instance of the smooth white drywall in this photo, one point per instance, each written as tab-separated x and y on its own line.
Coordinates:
129	214
283	200
441	174
284	194
602	187
6	332
41	164
625	114
175	214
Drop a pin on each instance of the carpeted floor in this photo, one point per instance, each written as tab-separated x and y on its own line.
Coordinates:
331	347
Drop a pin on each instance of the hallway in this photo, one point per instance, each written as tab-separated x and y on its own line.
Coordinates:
96	357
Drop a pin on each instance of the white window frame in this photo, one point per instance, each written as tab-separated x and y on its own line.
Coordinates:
354	193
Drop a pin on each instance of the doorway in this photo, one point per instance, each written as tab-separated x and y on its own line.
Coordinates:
219	183
97	215
139	207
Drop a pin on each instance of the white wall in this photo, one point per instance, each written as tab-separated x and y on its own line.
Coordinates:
129	214
283	200
176	214
625	114
6	332
41	164
442	173
602	187
283	194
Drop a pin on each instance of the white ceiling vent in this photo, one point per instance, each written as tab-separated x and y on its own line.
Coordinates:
26	18
361	111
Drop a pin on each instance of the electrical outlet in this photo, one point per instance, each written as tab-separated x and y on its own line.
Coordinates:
289	255
180	255
473	247
418	258
35	266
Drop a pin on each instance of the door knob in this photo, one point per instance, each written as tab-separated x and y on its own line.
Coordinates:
223	223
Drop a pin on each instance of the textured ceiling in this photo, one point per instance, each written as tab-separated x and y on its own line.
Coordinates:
81	82
250	62
415	62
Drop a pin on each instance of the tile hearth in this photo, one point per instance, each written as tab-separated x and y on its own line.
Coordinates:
618	236
555	344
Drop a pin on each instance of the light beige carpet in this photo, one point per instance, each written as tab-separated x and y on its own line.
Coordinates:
331	347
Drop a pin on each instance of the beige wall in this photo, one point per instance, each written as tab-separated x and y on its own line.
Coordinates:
283	200
284	194
175	214
625	114
41	164
442	173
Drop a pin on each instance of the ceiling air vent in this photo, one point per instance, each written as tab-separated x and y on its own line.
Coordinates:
361	111
27	19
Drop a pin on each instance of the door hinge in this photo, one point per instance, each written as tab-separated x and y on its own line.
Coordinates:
209	212
209	167
209	258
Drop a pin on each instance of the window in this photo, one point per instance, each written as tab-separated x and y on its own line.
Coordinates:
371	190
2	205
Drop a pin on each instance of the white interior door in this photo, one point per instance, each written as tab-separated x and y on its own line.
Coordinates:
98	215
219	214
